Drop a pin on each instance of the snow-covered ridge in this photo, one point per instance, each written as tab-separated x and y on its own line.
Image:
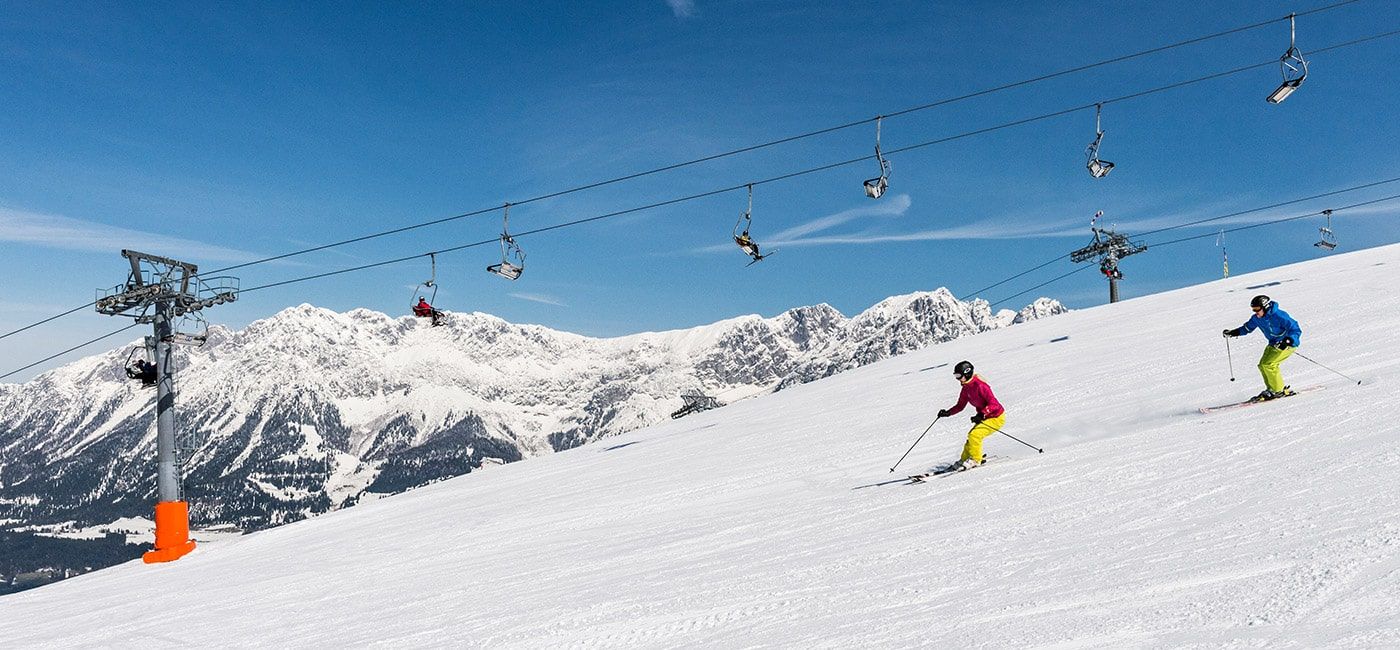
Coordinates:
309	410
775	522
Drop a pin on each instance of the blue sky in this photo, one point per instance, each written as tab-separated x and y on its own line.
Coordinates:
220	133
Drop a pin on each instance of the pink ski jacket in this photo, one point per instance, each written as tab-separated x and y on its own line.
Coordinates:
979	395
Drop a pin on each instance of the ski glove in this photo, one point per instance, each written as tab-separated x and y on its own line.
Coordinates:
1285	343
943	413
1229	333
977	419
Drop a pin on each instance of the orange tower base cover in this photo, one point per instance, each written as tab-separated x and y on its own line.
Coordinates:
172	533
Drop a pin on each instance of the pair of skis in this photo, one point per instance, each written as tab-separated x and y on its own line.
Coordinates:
950	468
1252	401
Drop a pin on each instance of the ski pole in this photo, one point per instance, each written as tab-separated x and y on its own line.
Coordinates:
1018	440
1358	381
1230	358
916	442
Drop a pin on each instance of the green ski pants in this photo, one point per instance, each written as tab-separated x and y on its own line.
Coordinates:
1268	366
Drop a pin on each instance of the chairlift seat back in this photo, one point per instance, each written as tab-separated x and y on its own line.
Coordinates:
875	187
1099	168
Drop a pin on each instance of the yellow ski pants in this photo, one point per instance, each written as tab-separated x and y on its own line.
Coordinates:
1268	366
973	448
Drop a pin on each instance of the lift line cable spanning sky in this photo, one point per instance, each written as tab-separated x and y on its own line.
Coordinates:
993	304
1319	213
50	318
1023	273
1150	246
1187	225
76	347
802	136
812	134
813	170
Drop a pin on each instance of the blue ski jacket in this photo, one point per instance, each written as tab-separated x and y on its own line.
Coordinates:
1275	324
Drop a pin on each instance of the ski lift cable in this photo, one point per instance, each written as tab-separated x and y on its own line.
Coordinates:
1269	207
809	134
852	161
1184	225
1055	279
1075	109
50	318
1022	274
1192	238
76	347
1000	301
721	190
770	143
1309	215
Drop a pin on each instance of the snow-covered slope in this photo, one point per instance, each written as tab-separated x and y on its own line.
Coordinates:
1144	523
311	410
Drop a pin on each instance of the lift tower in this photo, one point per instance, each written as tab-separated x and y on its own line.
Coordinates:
158	291
1109	247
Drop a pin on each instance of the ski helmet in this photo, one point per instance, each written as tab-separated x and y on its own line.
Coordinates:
963	370
1261	302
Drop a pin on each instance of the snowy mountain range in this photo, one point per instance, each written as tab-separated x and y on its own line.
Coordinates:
312	410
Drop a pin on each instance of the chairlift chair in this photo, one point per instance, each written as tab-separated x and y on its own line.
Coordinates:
140	367
427	288
1327	239
508	269
1109	268
191	329
875	187
1291	65
1097	168
746	243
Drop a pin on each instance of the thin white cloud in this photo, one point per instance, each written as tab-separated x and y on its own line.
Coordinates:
1077	227
539	297
983	230
682	8
896	206
66	233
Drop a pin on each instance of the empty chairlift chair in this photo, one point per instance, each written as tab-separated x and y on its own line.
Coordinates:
1327	240
509	269
1292	66
875	187
1097	168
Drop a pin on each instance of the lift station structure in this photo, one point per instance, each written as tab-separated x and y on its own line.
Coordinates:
1109	247
161	291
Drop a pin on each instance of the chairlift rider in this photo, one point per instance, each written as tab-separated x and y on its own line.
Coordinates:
748	245
424	307
425	310
745	242
141	369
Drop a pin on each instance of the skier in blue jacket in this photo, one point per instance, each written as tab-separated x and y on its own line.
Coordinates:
1283	334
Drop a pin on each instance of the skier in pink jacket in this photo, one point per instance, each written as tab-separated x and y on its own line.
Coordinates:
986	421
